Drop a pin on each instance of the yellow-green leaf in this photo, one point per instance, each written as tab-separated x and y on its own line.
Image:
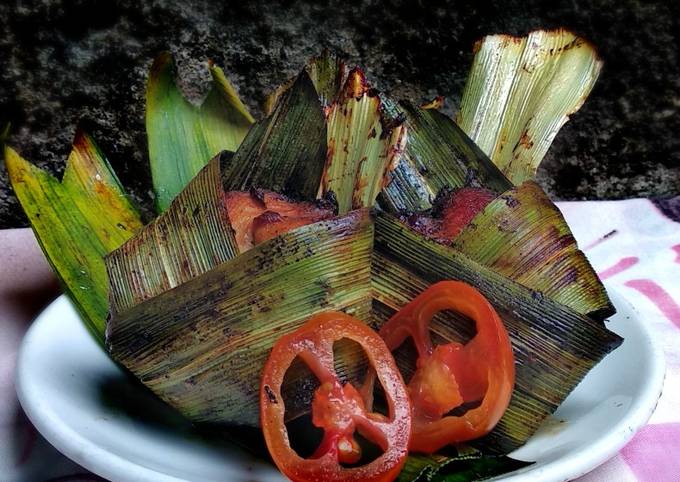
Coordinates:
193	236
361	146
184	137
521	91
77	222
522	235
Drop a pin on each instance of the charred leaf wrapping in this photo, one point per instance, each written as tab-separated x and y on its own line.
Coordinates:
190	238
286	151
554	346
438	155
200	347
328	74
522	235
362	146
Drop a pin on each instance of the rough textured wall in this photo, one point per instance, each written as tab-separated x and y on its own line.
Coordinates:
64	61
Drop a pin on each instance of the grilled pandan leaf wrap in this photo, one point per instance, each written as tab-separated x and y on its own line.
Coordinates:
201	346
521	234
554	346
193	316
275	286
172	334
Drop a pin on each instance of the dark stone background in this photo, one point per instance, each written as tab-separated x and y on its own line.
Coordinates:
65	61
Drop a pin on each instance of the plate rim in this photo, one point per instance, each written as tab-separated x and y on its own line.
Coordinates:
94	458
110	465
614	440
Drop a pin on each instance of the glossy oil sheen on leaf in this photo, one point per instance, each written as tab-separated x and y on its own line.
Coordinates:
521	91
77	222
183	137
522	235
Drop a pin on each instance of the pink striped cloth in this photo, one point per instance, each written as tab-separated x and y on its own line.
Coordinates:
634	245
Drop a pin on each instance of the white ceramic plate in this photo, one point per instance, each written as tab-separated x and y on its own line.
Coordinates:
92	412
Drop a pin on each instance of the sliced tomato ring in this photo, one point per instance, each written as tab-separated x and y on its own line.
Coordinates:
447	376
336	408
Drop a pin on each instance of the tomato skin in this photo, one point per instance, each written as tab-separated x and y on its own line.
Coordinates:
338	409
483	370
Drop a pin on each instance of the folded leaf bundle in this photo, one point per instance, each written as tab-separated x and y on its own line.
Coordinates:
554	346
201	346
195	234
520	234
195	304
193	316
191	237
179	288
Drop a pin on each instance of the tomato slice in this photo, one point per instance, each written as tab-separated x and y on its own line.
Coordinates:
336	408
447	376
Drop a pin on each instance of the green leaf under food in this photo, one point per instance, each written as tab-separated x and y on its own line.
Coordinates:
521	91
438	155
193	236
201	346
77	222
554	346
522	235
285	152
460	464
183	137
478	469
362	146
424	467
